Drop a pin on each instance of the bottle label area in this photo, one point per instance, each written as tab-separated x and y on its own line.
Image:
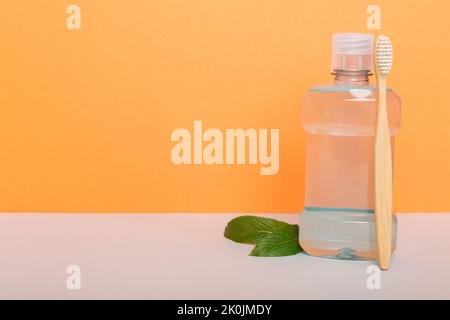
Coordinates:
339	210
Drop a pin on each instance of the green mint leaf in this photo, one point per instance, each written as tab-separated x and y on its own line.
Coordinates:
281	242
251	229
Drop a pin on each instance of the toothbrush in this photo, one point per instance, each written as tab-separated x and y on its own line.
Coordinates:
383	156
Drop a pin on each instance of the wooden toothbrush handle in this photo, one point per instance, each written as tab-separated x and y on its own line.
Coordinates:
383	180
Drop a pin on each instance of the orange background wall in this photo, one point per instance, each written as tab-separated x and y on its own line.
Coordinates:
86	116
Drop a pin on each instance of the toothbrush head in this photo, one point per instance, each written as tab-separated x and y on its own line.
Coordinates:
384	55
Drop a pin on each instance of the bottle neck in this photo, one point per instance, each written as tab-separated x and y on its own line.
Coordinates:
350	77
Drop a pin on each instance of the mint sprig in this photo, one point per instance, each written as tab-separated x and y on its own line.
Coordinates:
272	238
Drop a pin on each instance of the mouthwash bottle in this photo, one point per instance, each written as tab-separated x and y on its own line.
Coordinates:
339	120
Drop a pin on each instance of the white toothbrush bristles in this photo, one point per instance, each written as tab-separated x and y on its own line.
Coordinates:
384	55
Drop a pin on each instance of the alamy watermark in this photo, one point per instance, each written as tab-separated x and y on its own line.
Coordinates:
233	146
373	281
73	281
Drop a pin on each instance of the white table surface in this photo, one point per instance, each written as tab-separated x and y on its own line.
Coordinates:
185	256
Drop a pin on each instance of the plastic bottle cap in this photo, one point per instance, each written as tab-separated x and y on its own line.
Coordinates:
352	52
